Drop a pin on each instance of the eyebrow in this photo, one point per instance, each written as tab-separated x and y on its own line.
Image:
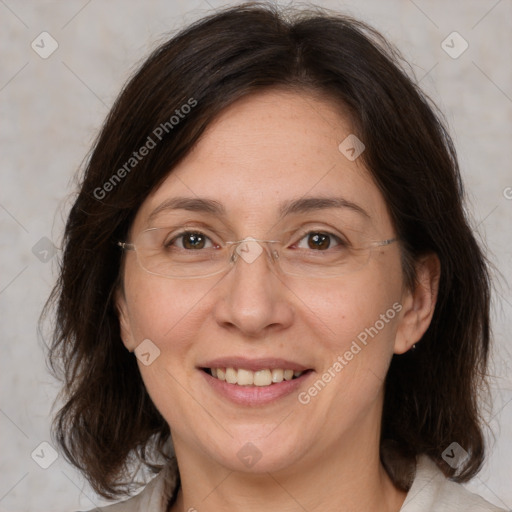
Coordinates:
190	204
295	206
308	204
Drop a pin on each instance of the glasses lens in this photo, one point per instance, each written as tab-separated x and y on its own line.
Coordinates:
317	263
187	254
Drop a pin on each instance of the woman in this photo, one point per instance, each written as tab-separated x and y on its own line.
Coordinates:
270	293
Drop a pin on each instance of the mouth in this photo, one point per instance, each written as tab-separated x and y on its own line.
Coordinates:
254	382
261	378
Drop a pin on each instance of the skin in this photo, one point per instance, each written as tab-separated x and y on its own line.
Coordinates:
264	149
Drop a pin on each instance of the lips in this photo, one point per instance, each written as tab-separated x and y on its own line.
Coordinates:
253	364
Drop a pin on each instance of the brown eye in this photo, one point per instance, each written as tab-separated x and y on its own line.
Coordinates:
318	241
190	240
193	241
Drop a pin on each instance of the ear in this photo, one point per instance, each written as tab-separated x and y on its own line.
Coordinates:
124	322
418	304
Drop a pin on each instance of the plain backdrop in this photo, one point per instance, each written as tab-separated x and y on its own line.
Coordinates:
52	108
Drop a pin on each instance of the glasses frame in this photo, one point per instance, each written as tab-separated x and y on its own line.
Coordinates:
274	255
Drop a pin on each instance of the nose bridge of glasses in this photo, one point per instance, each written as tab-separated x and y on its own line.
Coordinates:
250	248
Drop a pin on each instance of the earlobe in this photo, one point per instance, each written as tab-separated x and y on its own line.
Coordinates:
124	324
418	304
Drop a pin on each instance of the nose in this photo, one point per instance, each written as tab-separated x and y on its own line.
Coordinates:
254	299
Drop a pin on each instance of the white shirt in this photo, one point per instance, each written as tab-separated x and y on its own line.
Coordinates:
430	491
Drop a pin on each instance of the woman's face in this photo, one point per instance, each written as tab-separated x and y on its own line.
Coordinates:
264	152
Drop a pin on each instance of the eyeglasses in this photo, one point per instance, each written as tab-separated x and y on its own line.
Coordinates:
196	255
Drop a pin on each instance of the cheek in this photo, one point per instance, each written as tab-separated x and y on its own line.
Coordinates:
168	313
358	304
357	323
161	309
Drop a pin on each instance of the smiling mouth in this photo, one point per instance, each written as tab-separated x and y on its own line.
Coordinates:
261	378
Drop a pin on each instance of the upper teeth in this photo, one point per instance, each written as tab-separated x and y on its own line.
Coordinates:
249	378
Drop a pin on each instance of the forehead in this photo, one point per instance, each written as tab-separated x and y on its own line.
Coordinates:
268	149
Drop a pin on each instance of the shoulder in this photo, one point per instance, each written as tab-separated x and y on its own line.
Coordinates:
154	497
432	491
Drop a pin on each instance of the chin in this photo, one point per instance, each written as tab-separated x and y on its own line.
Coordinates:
259	452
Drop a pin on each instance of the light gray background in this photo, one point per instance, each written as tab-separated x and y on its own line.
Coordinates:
52	108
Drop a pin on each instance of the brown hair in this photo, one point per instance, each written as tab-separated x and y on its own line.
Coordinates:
108	418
